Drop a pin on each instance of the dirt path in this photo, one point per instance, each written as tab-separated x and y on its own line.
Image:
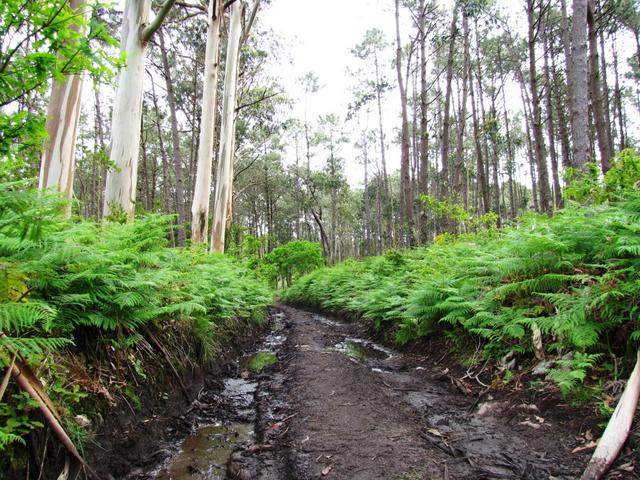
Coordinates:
358	411
339	406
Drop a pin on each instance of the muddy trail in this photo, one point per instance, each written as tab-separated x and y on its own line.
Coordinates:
319	399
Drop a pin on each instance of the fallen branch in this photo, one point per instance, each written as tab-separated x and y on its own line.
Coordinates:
28	382
7	376
618	428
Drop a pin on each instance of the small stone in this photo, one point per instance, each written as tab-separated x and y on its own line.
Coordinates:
83	421
542	368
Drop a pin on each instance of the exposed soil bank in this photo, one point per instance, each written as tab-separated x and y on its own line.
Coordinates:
321	400
134	438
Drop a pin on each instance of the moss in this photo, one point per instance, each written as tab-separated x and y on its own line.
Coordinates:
258	361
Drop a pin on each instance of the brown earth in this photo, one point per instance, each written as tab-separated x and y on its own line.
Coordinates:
339	406
404	417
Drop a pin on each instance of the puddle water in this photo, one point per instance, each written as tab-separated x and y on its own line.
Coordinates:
363	350
325	320
204	455
240	394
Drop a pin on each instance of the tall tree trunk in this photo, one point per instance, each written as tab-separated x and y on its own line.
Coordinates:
58	158
606	97
166	197
127	108
379	234
536	121
482	192
579	91
406	198
224	177
557	193
482	187
446	121
103	149
367	203
596	93
563	125
495	159
617	101
386	200
202	192
193	138
559	107
530	154
175	136
510	154
145	187
459	179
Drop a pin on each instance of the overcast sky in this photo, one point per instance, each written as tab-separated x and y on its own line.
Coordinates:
317	36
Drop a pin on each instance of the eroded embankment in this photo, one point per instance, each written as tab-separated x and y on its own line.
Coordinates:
337	405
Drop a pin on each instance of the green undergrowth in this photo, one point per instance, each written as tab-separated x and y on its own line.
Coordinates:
81	303
574	276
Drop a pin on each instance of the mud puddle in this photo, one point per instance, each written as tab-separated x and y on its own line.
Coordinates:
363	411
204	455
363	350
222	420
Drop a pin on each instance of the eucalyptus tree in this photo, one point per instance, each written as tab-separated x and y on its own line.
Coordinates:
137	31
224	179
58	158
223	203
202	192
40	42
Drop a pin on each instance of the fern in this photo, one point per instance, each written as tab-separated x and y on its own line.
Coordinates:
573	371
575	275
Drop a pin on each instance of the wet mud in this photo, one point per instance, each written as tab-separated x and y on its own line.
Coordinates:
317	398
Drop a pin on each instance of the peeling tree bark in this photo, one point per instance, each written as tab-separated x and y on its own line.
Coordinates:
224	179
127	109
202	193
58	159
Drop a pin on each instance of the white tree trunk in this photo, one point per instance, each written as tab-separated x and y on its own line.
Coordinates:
127	112
225	159
618	428
58	158
202	192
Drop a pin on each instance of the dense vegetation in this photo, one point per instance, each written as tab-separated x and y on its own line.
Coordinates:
497	119
81	302
574	277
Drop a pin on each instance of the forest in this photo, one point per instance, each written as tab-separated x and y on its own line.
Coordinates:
178	195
